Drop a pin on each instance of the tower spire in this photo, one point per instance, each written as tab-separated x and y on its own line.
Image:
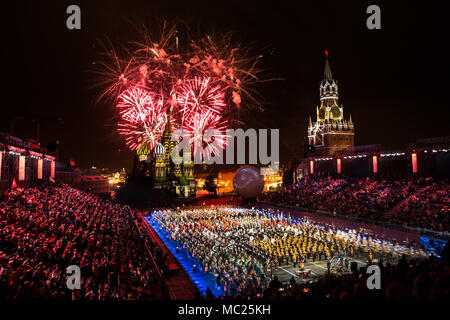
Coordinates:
327	74
331	132
168	128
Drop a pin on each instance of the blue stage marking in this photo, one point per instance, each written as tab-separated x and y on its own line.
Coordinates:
200	278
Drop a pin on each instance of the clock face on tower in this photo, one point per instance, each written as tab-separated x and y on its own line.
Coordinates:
335	112
322	113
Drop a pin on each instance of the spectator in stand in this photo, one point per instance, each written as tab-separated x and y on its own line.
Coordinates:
422	280
428	208
46	229
424	203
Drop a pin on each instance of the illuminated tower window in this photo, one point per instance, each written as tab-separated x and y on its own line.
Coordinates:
311	167
375	164
414	162
338	165
21	168
39	168
52	169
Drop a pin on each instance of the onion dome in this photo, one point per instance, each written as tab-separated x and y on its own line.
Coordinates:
143	149
159	149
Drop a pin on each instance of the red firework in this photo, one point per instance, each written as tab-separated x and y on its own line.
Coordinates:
202	83
142	117
199	95
206	133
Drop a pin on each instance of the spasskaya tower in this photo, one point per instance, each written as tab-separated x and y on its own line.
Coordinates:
330	132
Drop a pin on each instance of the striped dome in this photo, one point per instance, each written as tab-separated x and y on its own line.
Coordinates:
143	149
159	149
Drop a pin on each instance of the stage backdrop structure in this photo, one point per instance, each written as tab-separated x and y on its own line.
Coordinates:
248	182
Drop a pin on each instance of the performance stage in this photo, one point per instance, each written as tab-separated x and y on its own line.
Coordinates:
207	239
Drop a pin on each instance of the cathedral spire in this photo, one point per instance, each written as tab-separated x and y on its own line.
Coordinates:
168	128
327	74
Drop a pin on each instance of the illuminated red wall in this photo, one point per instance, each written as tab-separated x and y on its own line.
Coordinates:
375	164
414	162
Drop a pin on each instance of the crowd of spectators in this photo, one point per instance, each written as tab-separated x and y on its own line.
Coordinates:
428	208
44	230
414	280
424	202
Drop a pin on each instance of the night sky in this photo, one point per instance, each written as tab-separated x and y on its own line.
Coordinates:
390	80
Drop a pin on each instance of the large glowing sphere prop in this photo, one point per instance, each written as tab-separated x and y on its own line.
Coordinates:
248	182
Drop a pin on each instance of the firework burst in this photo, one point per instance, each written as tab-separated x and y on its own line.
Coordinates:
142	117
203	83
206	133
199	96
